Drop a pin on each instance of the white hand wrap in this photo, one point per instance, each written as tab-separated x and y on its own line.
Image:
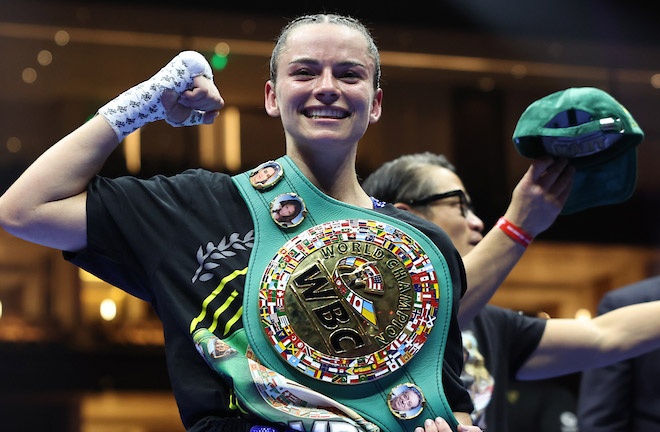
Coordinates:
142	104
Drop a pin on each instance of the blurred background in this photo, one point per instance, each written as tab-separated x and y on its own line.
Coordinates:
79	355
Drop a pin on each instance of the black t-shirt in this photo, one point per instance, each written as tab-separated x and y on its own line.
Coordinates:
496	344
180	244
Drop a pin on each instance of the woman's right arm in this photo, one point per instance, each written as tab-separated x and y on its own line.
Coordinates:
47	204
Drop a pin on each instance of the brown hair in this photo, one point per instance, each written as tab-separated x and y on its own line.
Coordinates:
320	19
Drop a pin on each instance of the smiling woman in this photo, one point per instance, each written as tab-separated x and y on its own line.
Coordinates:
324	88
105	48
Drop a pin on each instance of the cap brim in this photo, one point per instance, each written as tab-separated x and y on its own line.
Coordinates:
607	183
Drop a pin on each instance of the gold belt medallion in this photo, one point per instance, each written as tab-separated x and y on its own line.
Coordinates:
349	301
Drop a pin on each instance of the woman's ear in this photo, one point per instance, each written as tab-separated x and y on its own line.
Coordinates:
376	106
270	100
402	206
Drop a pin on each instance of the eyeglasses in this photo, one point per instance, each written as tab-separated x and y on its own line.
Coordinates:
466	205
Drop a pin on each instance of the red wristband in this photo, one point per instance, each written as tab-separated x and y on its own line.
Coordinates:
517	234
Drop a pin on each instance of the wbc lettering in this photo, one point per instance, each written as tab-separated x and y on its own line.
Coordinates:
349	301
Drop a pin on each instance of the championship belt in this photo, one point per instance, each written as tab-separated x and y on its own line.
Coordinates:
346	313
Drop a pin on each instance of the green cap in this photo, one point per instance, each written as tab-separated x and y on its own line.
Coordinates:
595	132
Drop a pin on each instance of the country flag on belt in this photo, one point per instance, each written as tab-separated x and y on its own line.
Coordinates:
363	306
375	283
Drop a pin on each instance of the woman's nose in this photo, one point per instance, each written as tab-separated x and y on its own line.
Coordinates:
327	85
474	221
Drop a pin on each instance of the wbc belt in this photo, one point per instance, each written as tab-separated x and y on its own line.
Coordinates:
346	301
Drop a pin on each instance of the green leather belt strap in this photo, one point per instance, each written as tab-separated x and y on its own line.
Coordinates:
269	395
369	399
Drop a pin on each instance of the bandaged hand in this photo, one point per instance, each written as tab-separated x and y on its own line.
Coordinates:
182	93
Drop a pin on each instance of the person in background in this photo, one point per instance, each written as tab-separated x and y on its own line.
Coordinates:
501	344
624	396
182	243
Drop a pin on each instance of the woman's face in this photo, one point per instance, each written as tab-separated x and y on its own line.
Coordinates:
287	210
465	231
324	91
263	174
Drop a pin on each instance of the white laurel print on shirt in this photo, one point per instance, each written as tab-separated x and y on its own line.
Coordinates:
207	256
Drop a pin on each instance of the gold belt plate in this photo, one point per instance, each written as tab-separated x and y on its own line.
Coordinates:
349	301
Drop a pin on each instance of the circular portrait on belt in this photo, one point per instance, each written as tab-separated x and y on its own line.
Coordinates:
287	210
266	175
406	401
219	348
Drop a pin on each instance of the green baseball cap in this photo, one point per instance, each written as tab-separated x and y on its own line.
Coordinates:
597	134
